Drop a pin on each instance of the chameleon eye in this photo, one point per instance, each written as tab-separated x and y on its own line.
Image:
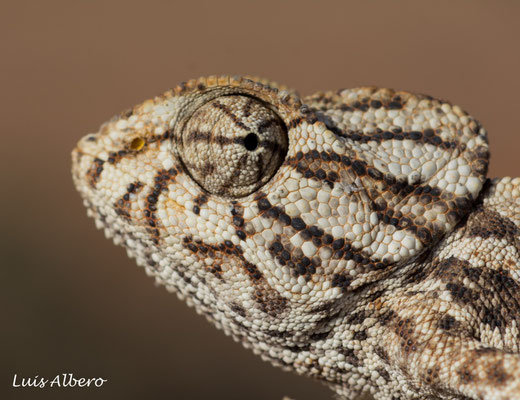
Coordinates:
233	145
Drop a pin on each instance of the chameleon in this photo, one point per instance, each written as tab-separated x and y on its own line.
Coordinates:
351	236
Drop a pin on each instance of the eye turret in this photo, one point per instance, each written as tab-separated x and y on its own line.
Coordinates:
234	144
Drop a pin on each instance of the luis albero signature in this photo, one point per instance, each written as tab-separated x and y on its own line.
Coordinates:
60	380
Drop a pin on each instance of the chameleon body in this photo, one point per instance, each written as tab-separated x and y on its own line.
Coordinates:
350	236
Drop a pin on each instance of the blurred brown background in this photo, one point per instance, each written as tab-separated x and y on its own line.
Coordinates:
72	301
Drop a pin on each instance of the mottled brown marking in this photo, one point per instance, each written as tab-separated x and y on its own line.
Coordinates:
226	255
123	206
493	294
236	120
94	172
486	223
405	330
161	181
350	356
198	136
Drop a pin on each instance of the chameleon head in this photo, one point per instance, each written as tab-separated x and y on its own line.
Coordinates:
260	210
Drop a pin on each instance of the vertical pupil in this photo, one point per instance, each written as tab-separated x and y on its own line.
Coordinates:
251	142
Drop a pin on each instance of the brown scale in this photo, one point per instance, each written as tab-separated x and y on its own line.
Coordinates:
301	265
161	182
237	213
287	255
123	206
94	172
432	374
496	374
225	255
486	223
405	329
467	285
313	165
427	136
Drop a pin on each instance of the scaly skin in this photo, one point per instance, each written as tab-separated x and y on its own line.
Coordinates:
350	236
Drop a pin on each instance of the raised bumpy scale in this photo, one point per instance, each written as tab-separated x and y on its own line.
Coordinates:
349	236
